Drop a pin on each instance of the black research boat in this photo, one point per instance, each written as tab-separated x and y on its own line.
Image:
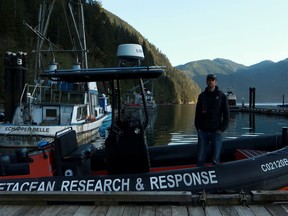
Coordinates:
127	164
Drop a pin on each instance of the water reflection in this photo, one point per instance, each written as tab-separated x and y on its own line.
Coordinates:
174	124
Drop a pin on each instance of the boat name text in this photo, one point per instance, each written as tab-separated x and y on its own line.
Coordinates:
27	186
26	129
145	183
188	179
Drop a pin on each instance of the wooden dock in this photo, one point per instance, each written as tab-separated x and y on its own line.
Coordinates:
264	111
144	210
143	203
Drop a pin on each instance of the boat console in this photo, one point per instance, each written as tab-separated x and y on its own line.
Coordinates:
126	146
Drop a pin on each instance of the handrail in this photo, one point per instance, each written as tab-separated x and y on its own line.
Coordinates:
37	85
22	95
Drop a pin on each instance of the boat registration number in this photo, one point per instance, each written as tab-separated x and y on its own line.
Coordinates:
274	165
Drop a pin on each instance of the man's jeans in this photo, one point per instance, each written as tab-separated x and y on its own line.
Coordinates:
205	139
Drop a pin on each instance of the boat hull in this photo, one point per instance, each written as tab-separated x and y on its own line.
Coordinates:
30	135
265	172
255	163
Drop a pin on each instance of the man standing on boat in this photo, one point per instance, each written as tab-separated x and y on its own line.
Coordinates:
211	119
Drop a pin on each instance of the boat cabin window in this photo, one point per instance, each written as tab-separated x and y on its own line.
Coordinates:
231	102
51	113
81	112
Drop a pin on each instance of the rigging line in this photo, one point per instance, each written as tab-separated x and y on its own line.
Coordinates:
32	132
41	36
68	27
44	26
77	28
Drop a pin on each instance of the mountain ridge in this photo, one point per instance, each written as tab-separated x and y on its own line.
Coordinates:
268	77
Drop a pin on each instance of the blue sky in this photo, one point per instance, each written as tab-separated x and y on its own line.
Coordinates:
244	31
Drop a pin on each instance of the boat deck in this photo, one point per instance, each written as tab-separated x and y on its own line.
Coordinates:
143	203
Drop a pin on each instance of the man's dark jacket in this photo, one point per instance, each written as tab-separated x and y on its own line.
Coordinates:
212	111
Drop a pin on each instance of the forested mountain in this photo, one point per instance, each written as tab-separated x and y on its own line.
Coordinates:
269	78
104	32
204	67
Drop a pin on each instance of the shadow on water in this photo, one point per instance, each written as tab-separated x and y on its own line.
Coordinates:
174	124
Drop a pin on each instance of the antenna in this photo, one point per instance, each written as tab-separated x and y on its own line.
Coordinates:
131	53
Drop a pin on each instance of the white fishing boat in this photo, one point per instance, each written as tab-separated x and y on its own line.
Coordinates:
232	99
35	112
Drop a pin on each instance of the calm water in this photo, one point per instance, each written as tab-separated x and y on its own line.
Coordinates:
174	124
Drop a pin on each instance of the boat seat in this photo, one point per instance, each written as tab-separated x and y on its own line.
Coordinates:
72	159
8	166
247	153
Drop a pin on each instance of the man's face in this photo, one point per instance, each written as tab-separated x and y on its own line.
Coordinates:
211	83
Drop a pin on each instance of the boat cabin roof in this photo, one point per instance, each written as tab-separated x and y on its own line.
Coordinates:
104	74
